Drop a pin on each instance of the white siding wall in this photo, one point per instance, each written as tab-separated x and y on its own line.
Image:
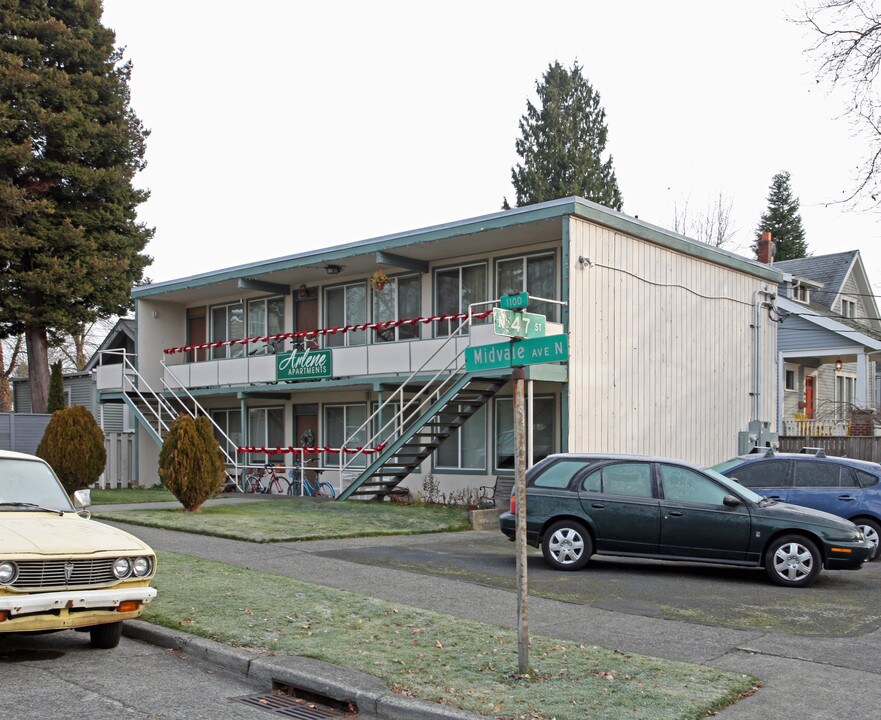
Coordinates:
655	369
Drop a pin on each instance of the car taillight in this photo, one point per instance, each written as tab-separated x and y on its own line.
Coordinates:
513	504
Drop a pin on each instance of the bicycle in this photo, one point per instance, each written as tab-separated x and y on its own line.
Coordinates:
254	481
310	488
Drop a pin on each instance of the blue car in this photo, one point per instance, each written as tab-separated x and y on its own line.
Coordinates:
848	488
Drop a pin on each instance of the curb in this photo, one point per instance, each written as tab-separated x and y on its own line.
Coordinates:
368	693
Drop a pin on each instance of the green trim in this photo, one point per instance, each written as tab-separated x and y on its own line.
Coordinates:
564	391
506	219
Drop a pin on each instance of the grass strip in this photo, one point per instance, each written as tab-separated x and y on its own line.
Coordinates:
430	655
293	519
120	496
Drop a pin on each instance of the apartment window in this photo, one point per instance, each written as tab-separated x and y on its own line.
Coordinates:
230	422
228	323
465	448
266	429
265	316
345	425
845	393
455	289
535	274
544	431
790	379
848	308
345	305
399	299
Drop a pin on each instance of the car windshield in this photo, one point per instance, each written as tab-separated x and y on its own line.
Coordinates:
727	465
31	482
733	485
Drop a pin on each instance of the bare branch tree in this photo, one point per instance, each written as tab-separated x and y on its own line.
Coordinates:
13	347
848	51
75	350
711	226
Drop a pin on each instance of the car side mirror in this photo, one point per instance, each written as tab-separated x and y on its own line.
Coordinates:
82	499
731	501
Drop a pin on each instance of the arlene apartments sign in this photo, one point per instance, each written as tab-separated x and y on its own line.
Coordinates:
305	365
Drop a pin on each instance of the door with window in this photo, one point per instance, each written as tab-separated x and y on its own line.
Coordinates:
695	522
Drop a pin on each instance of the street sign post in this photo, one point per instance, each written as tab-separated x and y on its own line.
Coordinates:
551	348
511	323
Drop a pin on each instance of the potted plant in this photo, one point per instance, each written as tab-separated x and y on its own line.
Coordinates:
378	279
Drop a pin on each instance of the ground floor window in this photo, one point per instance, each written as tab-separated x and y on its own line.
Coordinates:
266	429
345	425
544	431
465	448
230	423
845	394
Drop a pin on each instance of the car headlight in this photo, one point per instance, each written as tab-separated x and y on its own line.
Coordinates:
8	572
122	567
142	566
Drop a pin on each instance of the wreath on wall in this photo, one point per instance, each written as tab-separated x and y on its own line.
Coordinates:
378	279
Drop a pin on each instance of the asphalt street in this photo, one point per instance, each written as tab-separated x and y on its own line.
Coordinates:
821	667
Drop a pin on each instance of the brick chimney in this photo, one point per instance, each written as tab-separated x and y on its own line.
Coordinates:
766	249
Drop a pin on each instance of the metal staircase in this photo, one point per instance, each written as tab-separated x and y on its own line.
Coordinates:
423	415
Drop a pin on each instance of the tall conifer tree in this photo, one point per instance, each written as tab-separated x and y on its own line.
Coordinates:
783	221
70	145
563	142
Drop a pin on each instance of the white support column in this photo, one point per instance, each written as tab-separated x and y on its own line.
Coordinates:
862	389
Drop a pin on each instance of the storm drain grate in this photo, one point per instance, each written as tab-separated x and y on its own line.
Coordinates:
288	706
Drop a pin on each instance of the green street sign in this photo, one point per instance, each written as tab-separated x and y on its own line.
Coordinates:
518	301
304	365
518	324
553	348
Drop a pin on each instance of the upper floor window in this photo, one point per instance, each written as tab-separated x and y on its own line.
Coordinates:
535	274
455	289
848	308
801	293
228	323
345	305
265	316
399	298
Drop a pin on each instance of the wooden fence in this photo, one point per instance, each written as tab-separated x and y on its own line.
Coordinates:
859	448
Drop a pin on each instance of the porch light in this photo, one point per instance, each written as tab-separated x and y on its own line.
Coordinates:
838	365
333	269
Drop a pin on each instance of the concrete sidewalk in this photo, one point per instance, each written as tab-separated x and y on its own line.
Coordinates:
820	678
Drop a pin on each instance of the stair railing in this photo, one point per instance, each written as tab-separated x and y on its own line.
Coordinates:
407	409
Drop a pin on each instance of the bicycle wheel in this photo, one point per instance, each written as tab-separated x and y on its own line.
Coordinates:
325	489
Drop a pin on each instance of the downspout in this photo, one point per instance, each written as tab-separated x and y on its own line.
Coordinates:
758	305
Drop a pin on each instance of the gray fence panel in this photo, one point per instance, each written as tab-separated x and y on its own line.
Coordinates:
119	471
22	432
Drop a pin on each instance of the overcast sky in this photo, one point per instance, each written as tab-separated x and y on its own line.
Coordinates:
279	127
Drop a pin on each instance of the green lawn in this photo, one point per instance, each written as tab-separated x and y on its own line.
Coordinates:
130	495
430	655
292	519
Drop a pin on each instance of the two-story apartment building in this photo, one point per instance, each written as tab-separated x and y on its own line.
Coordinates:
654	344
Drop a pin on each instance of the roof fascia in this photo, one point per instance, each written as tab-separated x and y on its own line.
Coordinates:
827	323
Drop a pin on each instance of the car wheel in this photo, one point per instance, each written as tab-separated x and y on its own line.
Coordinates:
105	637
566	545
872	530
793	561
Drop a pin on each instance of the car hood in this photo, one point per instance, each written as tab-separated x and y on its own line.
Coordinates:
804	514
36	533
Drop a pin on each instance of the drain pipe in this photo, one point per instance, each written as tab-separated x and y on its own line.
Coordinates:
758	305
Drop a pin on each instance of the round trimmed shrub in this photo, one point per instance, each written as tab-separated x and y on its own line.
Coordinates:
191	462
73	445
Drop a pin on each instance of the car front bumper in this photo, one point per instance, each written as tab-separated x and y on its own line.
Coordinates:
847	555
70	608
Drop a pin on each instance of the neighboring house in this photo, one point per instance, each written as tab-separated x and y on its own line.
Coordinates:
829	341
80	387
671	350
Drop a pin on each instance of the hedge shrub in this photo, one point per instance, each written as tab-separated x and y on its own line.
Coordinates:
191	463
73	445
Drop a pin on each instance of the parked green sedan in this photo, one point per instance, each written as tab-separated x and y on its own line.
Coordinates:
635	506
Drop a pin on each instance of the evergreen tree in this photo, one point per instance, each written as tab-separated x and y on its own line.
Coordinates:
562	143
70	145
783	221
56	388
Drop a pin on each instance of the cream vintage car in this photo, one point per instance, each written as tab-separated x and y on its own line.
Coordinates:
58	568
